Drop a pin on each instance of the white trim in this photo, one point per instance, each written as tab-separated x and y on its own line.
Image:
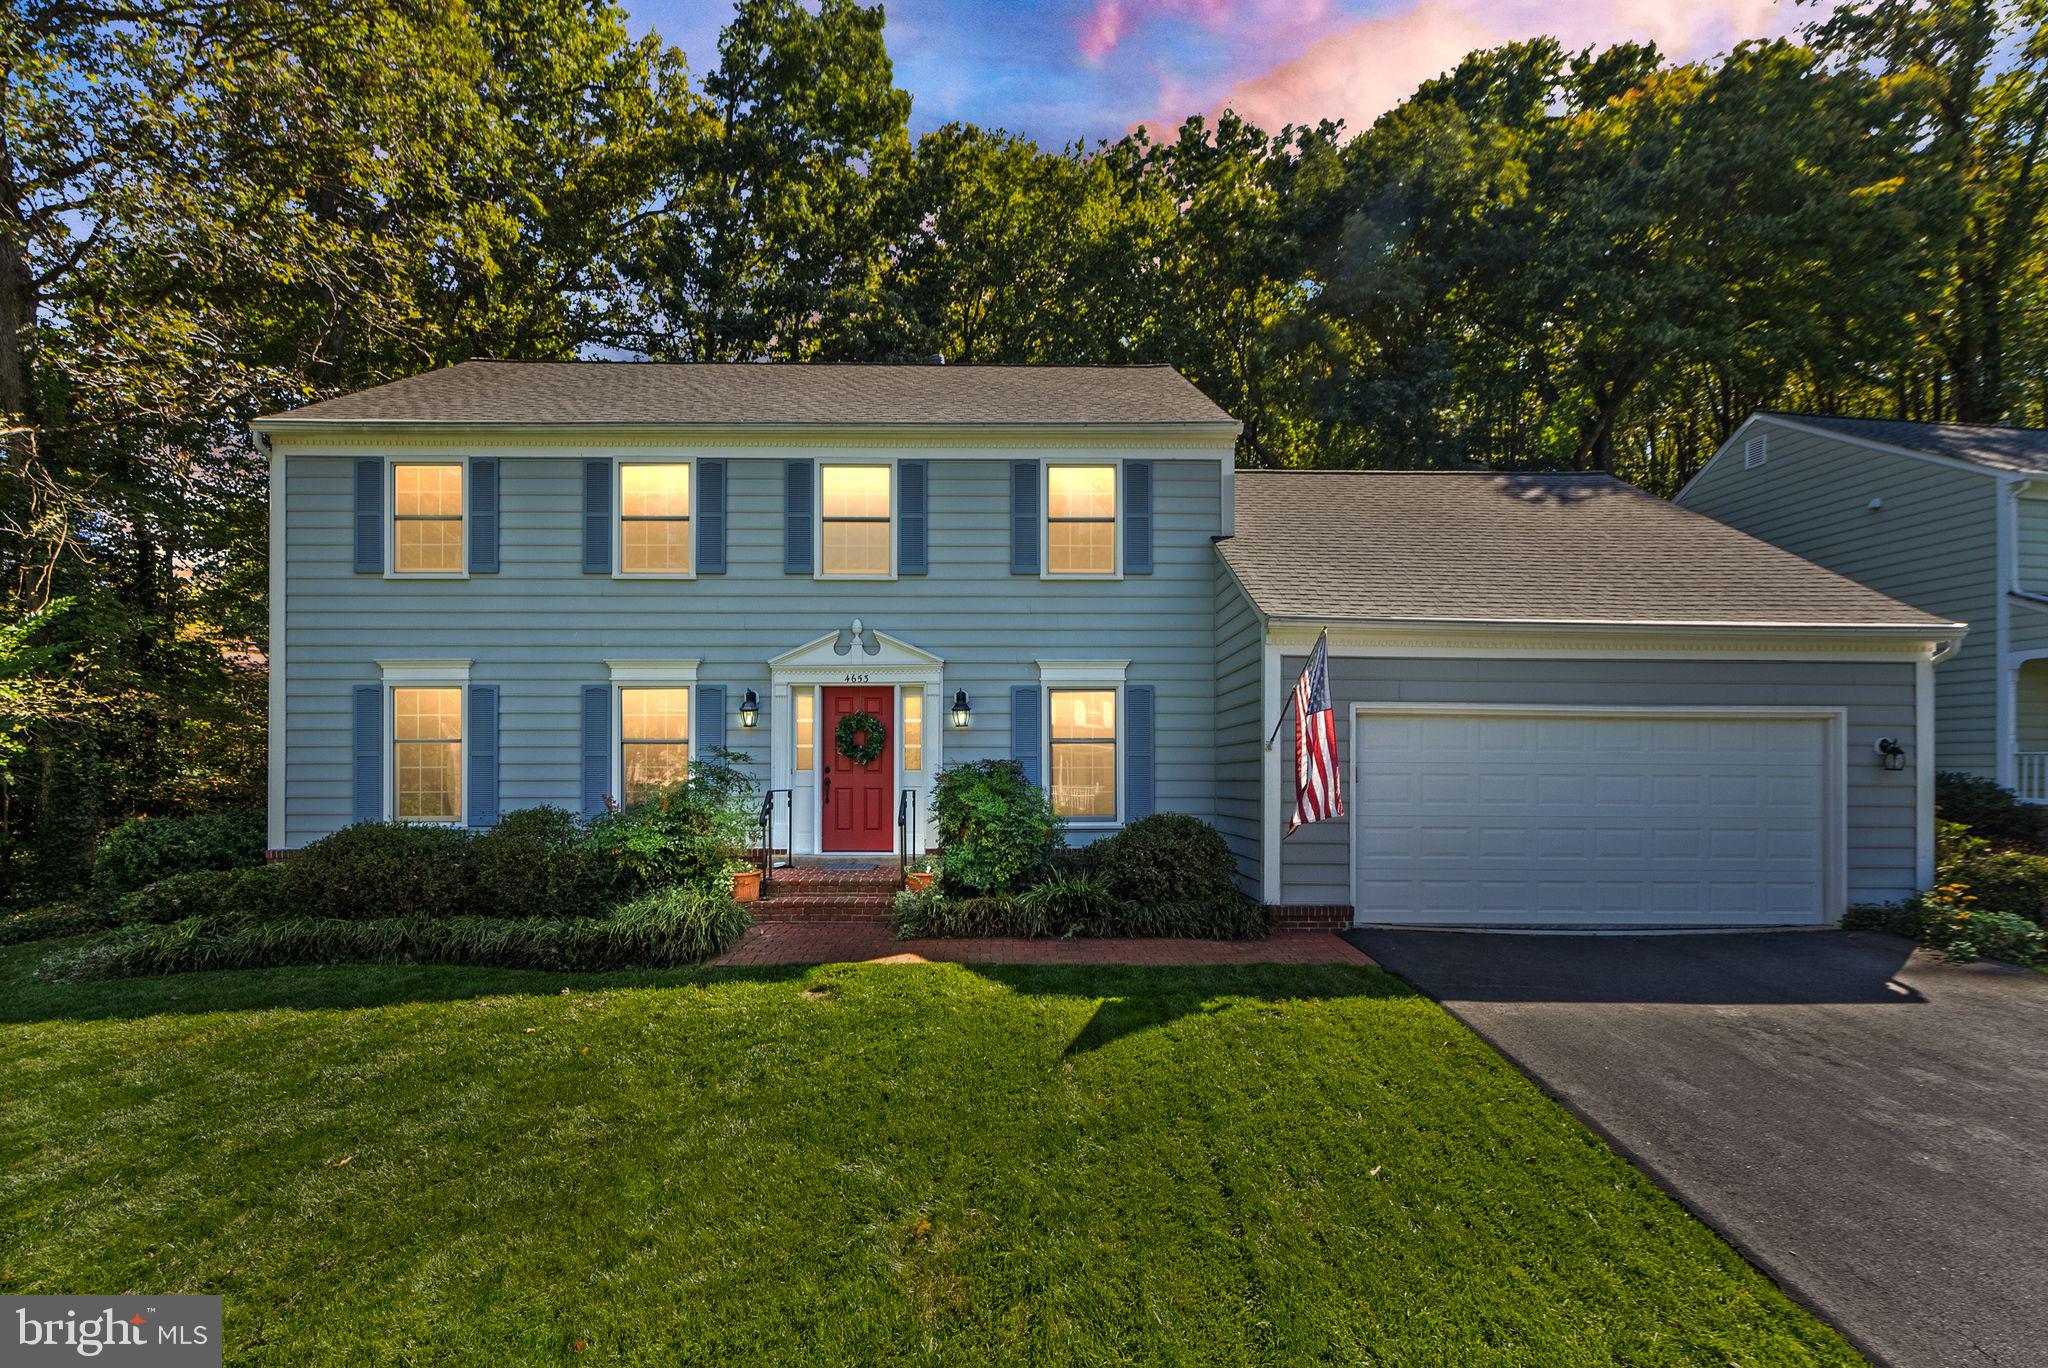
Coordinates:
1608	640
1073	681
391	463
274	656
424	674
1219	435
1835	777
1098	673
823	463
1923	773
633	679
410	672
676	672
619	464
1116	531
896	665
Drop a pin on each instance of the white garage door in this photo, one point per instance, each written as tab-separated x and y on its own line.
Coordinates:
1590	819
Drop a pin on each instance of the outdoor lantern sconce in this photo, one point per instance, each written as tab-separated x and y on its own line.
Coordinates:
1891	752
750	710
963	711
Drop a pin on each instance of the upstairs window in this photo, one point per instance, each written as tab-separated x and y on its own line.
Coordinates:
426	754
1083	753
1080	519
654	518
426	518
654	740
854	521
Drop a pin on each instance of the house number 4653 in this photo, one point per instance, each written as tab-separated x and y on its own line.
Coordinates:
858	678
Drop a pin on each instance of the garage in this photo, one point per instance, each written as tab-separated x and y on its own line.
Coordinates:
1578	816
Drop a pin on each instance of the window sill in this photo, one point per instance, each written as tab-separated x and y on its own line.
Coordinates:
426	574
823	578
654	574
1052	577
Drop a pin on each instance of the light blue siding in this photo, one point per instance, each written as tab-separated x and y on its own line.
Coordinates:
1240	724
2033	543
1933	544
1315	861
541	630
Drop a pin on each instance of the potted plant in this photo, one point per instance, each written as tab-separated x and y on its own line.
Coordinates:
746	884
922	871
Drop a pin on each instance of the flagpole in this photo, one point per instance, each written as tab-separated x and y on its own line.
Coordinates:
1282	721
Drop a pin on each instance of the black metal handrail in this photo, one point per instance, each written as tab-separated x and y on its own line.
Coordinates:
764	828
906	826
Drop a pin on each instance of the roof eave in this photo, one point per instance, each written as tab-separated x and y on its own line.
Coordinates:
1862	631
276	424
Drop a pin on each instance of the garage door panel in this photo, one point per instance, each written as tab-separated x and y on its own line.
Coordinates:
1590	819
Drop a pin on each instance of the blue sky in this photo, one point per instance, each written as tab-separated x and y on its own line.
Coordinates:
1063	69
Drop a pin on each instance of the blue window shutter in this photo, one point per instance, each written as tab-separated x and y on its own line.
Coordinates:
798	479
597	517
483	515
711	517
597	747
1023	517
1141	792
483	755
1137	517
369	517
368	750
913	524
707	730
1024	747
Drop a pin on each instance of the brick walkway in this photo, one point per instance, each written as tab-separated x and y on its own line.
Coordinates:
834	943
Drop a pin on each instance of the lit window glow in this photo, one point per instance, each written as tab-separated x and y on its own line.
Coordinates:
654	519
1083	746
426	754
854	519
654	741
1080	520
426	515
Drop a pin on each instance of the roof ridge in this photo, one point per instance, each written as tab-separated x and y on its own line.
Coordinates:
1904	422
810	365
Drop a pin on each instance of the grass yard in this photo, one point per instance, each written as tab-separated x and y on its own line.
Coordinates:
842	1164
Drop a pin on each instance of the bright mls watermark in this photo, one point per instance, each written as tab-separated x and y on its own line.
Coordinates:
164	1332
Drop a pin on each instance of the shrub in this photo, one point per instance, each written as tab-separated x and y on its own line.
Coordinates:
1076	907
173	899
694	833
2009	883
534	863
53	920
1168	857
382	869
1947	918
669	927
1990	811
147	849
996	830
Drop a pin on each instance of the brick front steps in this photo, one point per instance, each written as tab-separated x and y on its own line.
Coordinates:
829	893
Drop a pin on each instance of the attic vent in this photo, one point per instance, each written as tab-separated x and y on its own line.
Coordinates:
1753	453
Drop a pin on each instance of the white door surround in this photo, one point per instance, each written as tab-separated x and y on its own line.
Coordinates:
1656	816
856	654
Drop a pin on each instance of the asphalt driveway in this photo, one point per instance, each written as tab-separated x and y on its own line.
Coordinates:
1867	1124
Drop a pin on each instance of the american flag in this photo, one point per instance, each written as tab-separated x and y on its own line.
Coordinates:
1318	796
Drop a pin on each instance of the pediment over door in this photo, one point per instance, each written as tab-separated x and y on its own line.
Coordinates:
856	649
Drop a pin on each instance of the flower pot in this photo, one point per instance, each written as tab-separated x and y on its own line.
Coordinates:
918	880
746	885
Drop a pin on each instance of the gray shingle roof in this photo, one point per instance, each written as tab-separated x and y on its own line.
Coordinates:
519	392
1487	547
2001	448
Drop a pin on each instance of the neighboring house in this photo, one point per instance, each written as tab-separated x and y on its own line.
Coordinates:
1569	703
1950	517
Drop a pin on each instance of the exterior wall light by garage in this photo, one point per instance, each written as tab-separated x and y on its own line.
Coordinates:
963	711
1891	752
750	710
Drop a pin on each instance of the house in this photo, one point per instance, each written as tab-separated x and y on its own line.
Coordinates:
1566	702
1950	517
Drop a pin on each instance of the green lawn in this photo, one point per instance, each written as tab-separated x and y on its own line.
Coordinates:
937	1163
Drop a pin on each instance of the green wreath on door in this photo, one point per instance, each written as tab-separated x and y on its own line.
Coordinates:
860	737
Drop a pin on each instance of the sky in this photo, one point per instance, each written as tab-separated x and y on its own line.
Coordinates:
1060	70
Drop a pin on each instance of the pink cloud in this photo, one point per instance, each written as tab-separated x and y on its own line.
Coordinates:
1360	71
1111	21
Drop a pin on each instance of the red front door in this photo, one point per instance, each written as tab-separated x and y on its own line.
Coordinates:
857	797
